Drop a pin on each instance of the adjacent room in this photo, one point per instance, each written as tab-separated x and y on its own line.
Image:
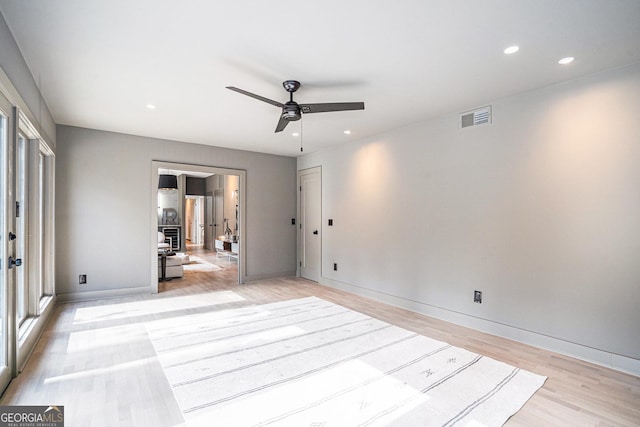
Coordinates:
416	213
198	223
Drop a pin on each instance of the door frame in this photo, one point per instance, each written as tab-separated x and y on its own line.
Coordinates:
153	212
8	293
299	230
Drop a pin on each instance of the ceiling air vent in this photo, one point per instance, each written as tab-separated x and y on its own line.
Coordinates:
476	117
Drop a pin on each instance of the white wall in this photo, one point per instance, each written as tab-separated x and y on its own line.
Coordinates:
102	212
540	211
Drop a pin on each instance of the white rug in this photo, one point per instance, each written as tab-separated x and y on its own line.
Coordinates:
308	362
198	264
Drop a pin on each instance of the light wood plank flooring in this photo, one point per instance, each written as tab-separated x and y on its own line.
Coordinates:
96	358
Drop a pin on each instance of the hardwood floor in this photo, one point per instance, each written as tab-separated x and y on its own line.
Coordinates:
95	358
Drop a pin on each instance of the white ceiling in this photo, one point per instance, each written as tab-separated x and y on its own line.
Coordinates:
100	62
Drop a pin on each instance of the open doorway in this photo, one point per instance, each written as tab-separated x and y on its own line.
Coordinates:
194	221
198	219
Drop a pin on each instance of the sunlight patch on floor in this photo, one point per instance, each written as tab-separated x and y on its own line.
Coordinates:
130	309
135	365
93	339
193	322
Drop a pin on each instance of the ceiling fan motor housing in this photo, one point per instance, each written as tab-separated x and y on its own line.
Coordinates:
291	111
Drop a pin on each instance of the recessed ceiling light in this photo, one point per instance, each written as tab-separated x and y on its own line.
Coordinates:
511	49
567	60
295	134
347	132
151	106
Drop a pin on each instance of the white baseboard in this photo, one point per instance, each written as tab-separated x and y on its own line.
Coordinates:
578	351
270	276
110	293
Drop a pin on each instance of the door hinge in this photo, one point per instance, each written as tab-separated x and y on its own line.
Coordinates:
300	263
301	188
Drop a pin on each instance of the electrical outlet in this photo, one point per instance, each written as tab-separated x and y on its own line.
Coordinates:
335	266
477	297
82	279
330	223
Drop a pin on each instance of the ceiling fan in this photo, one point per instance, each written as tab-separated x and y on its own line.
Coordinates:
292	111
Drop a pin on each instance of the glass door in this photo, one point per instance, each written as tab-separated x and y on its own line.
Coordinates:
7	327
22	288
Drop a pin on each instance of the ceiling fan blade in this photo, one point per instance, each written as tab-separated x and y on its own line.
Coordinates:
282	123
253	95
331	106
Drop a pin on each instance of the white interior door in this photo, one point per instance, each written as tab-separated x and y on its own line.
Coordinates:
200	219
208	223
194	222
310	185
218	216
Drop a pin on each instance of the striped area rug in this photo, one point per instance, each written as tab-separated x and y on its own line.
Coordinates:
309	362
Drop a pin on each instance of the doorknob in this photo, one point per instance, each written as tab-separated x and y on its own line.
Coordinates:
13	261
315	232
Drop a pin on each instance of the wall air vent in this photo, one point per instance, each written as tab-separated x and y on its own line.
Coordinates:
476	117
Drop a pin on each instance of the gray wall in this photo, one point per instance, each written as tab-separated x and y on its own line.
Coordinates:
19	86
539	210
24	88
103	189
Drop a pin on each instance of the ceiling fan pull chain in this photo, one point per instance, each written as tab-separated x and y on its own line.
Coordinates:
301	134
